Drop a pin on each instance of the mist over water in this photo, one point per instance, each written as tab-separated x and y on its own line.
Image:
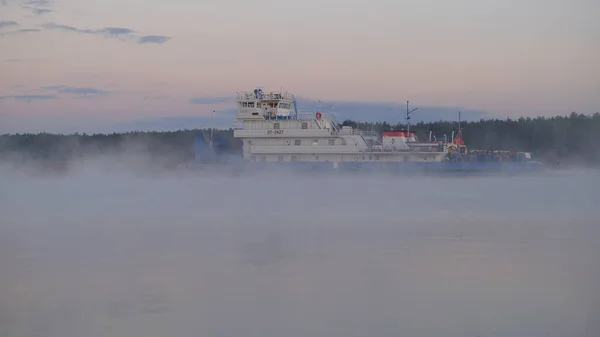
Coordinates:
103	254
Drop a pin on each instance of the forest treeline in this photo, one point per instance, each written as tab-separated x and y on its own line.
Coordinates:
563	138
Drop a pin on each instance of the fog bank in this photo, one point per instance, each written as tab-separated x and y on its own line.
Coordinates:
105	253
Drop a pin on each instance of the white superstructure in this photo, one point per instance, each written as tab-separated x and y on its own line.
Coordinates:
271	132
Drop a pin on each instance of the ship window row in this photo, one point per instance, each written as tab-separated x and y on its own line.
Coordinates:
276	125
270	124
288	142
292	158
281	105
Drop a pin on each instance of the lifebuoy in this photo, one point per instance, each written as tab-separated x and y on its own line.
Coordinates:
318	114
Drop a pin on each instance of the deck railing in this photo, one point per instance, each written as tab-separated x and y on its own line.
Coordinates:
265	96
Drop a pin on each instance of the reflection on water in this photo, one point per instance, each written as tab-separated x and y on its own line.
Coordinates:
119	256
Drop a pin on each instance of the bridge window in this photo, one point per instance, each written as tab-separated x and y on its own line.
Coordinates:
294	158
275	125
245	104
263	158
343	141
316	157
332	141
304	125
279	158
258	105
315	142
297	142
251	104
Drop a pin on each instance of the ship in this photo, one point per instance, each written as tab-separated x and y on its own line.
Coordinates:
275	135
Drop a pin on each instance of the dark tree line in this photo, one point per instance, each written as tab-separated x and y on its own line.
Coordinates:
565	138
167	148
572	137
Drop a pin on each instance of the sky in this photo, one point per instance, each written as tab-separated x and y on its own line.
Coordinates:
68	66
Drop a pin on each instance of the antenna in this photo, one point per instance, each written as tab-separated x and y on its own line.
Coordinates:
408	112
295	105
459	128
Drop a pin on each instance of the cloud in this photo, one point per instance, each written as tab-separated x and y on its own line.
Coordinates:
29	98
4	24
80	92
74	92
115	31
371	111
365	111
37	3
38	6
158	39
40	11
110	32
28	30
20	31
386	111
157	97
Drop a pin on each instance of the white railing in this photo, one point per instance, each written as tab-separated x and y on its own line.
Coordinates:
264	96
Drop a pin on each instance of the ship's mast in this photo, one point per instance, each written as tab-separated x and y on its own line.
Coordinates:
295	105
459	129
408	112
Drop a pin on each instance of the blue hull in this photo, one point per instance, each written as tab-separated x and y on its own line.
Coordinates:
216	161
431	168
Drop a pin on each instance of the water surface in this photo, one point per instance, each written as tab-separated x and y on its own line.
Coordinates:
102	255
